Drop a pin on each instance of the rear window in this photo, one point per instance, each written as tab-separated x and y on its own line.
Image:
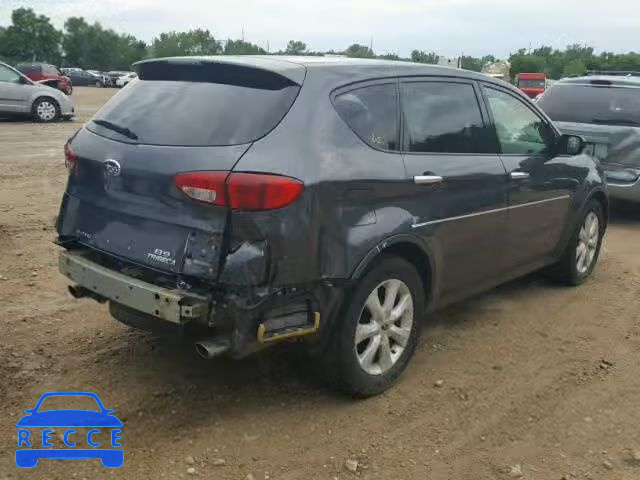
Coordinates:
197	105
522	83
602	104
28	68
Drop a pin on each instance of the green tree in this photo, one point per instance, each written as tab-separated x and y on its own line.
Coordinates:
30	37
240	47
390	56
91	46
472	63
420	56
359	51
193	42
526	63
575	67
296	47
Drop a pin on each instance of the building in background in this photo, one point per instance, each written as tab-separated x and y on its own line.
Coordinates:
500	69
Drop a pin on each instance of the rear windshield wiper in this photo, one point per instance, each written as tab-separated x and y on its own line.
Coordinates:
116	128
615	121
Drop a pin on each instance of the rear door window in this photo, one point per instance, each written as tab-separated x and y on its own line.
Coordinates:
443	117
197	105
372	113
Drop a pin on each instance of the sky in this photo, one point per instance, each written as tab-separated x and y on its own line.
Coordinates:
448	27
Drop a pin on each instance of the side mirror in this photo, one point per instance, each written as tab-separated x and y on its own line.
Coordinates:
22	80
570	145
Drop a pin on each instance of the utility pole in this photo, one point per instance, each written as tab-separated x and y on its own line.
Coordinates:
243	34
371	43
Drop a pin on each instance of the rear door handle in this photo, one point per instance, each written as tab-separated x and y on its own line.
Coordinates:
519	175
427	179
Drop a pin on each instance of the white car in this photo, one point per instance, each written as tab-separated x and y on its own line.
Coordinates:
125	79
19	95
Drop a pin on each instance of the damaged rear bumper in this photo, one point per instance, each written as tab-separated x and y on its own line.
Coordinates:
166	304
243	320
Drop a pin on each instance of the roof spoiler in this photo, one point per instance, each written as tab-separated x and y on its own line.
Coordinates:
619	73
221	69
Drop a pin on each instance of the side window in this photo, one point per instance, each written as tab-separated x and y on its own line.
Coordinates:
372	112
442	117
8	75
519	129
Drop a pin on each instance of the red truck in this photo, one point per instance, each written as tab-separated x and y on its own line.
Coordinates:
533	84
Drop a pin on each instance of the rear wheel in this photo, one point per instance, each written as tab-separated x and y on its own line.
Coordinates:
45	110
583	250
373	342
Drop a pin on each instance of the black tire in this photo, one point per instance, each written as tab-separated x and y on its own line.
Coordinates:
338	364
39	110
99	84
68	91
567	270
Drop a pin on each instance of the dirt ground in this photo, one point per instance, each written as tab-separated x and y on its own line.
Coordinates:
538	381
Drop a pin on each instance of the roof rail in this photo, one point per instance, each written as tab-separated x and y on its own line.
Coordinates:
618	73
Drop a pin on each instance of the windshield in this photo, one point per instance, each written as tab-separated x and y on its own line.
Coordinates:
65	402
189	113
523	83
606	105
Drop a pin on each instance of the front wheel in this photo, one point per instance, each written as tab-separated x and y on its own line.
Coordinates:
373	342
583	250
45	110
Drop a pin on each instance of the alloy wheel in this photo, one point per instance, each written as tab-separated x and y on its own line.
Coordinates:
587	243
384	327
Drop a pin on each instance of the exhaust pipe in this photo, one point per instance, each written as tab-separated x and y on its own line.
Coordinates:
78	291
209	348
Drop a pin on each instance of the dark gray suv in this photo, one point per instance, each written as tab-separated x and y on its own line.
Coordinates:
605	111
254	200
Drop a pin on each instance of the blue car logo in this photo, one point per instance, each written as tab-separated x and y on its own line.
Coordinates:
32	446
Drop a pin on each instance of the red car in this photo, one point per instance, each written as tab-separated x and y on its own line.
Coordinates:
48	74
532	84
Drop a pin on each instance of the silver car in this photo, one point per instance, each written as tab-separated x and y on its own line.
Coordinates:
19	95
605	110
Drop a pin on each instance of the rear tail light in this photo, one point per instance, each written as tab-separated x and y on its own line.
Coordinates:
70	159
240	191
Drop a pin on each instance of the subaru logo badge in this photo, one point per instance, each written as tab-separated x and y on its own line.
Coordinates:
111	167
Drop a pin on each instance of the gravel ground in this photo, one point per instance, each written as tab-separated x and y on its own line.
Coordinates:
531	380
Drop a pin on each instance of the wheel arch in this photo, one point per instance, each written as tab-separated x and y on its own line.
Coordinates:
409	248
600	196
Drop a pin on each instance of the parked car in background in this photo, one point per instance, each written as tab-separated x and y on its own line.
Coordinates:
84	78
103	76
66	70
21	96
114	75
531	84
125	79
605	110
48	74
252	200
